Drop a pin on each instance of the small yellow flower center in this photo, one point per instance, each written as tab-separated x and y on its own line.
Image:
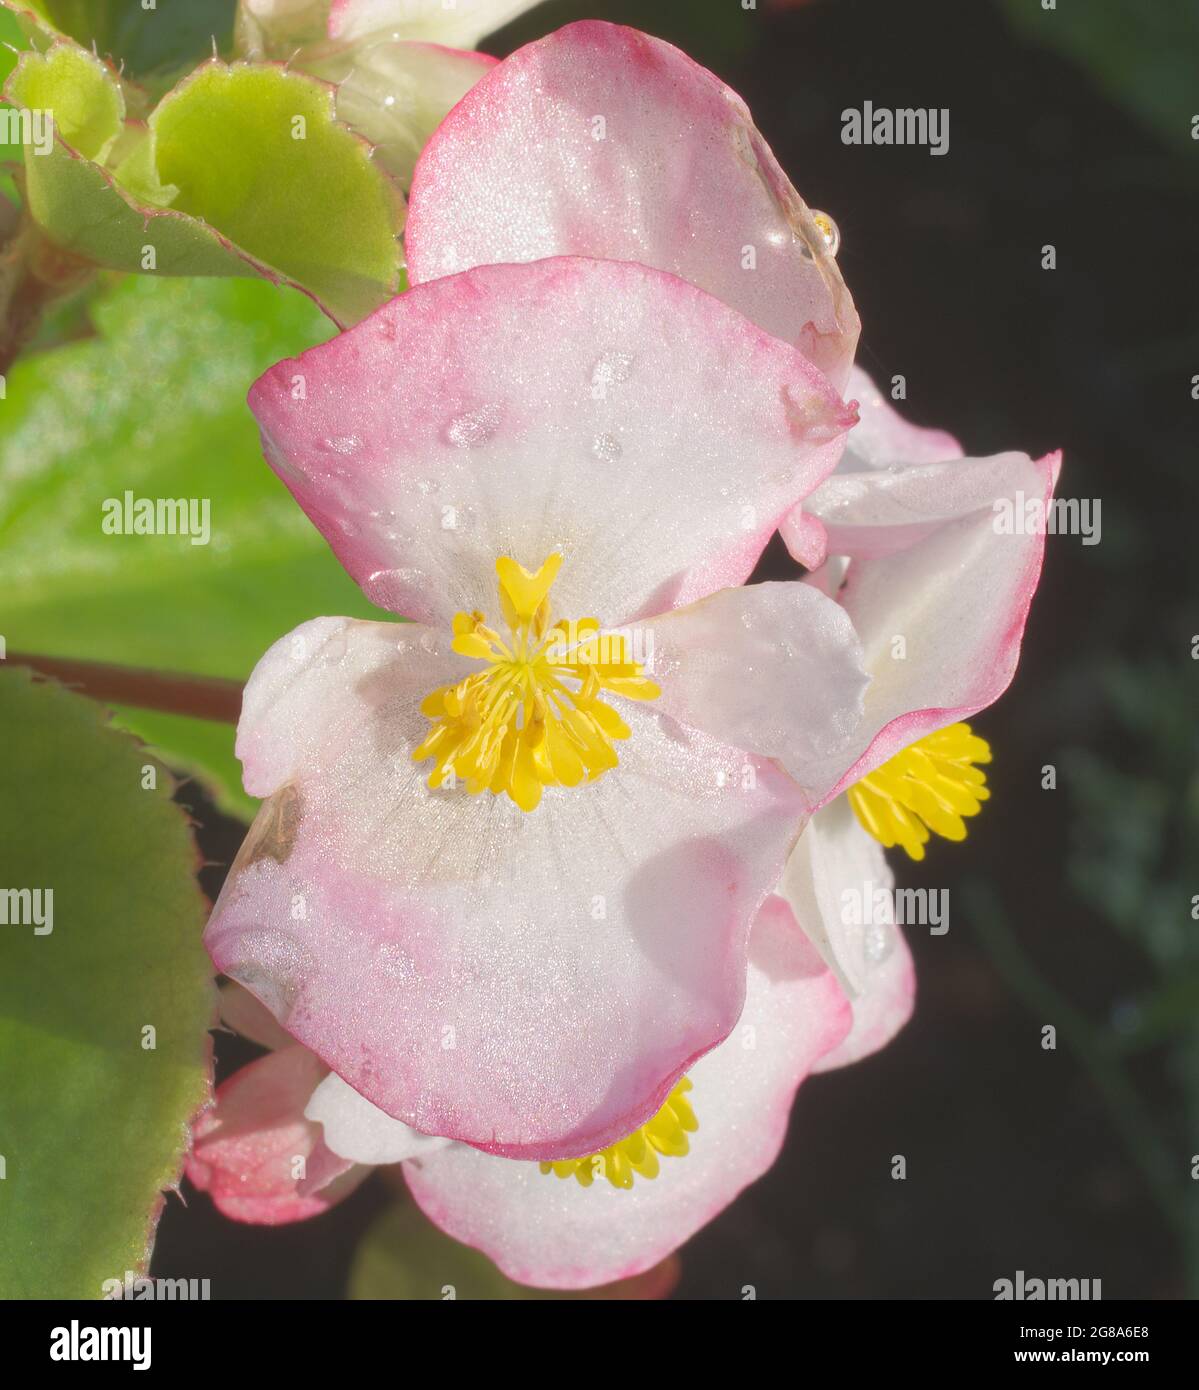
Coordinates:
665	1134
931	785
532	717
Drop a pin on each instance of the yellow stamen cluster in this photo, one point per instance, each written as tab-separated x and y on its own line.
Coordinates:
931	785
665	1134
533	716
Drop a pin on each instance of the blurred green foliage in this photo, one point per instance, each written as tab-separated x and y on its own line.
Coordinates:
154	403
148	43
1143	53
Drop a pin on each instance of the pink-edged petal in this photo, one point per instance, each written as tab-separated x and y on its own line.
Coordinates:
941	620
552	1233
533	983
805	537
895	484
362	1133
612	413
256	1155
873	514
460	23
879	446
602	141
881	1010
883	438
775	669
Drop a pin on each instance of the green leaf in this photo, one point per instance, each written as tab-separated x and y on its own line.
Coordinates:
403	1256
79	202
155	405
93	1120
291	185
238	171
86	101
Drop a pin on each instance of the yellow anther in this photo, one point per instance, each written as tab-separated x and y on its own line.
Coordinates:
533	716
931	785
525	591
665	1134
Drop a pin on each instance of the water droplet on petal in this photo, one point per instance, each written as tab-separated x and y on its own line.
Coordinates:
829	231
607	447
274	966
611	369
397	963
470	430
877	942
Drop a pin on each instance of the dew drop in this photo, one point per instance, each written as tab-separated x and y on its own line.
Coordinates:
877	942
829	231
396	963
345	444
607	447
611	369
470	430
274	966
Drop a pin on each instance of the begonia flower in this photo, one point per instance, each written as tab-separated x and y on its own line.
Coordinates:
905	535
448	442
528	461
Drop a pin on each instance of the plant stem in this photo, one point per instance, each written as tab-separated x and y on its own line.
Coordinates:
33	274
200	697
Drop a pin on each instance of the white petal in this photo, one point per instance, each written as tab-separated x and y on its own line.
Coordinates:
838	883
357	1130
775	669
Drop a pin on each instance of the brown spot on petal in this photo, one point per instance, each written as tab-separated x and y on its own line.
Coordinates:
273	834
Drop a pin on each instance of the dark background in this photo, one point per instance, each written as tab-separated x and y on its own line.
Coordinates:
1071	906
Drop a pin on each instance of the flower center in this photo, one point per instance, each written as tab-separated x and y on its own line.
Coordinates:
665	1134
532	717
931	785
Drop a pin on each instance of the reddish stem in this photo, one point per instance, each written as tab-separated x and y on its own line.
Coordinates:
200	697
